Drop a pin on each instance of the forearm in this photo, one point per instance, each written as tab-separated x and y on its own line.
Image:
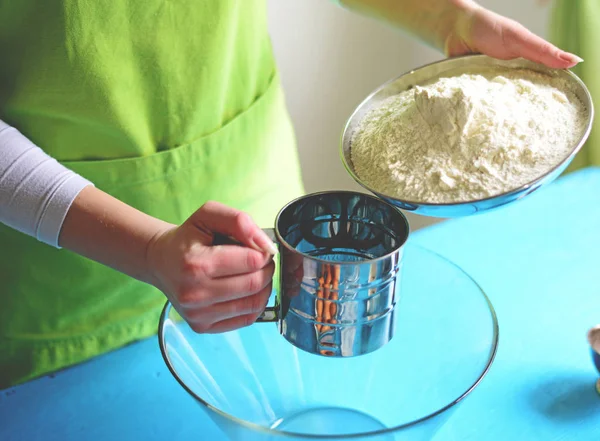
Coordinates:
35	190
433	21
111	232
42	198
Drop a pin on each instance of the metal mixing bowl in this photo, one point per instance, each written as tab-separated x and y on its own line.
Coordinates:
453	67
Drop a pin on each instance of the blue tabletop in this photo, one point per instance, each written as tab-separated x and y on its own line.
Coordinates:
539	262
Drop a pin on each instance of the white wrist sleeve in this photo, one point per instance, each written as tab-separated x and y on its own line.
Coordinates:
35	190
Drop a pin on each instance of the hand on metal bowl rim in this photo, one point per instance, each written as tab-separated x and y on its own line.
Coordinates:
479	30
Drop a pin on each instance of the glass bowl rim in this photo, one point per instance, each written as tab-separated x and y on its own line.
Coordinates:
291	435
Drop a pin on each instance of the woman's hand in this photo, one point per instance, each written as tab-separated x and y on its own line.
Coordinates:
214	288
461	27
479	30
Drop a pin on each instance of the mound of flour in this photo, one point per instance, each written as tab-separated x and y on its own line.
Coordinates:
467	137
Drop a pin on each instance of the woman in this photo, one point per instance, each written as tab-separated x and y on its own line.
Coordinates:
152	109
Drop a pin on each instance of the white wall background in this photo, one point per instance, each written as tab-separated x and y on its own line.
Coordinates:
330	59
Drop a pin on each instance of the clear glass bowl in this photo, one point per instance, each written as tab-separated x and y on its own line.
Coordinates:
257	387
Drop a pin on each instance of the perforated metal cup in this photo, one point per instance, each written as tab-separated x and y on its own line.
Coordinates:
340	260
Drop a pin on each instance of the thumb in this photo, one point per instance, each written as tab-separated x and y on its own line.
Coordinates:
214	217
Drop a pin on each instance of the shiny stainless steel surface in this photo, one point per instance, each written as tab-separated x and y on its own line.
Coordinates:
451	67
341	255
340	261
594	342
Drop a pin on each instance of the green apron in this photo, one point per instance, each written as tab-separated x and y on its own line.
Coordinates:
575	27
162	104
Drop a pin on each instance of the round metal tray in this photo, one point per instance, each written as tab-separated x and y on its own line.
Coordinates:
453	67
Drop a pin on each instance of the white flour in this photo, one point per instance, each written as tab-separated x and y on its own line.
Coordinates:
467	137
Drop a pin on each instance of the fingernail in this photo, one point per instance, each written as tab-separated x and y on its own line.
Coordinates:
266	244
256	246
271	248
571	58
578	58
